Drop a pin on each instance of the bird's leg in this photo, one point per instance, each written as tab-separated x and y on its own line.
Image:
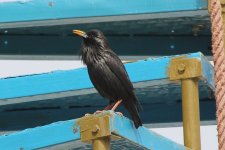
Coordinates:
115	106
112	106
109	106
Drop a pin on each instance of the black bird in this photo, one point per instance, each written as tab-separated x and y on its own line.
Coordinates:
108	73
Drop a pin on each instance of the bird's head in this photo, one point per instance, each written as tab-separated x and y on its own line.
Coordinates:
92	38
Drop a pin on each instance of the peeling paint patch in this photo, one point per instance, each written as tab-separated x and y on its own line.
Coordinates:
20	1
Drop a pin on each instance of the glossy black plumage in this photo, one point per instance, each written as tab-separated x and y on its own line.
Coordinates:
108	73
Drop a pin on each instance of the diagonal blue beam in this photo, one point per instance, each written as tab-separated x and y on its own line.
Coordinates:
73	80
31	10
38	137
62	132
144	137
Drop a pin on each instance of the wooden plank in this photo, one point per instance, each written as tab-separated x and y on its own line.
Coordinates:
58	9
194	17
66	131
137	45
38	137
208	72
142	136
36	114
78	82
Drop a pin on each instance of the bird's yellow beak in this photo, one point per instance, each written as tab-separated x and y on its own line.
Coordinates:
80	33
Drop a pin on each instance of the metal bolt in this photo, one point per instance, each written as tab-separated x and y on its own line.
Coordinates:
181	68
50	4
75	130
172	46
95	129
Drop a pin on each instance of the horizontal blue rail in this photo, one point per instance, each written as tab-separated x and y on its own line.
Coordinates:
31	10
78	79
64	131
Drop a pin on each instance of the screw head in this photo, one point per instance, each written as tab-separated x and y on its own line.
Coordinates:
75	130
95	129
181	68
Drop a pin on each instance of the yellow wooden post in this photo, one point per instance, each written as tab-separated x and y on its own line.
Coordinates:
191	116
101	143
188	71
95	129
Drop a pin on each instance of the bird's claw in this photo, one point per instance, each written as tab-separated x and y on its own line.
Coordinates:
119	113
99	112
87	114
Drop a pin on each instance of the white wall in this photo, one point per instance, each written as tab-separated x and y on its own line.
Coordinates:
208	136
12	68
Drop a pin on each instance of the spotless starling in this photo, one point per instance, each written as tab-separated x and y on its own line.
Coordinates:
108	74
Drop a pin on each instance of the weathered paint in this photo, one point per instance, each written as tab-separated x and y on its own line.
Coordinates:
7	1
72	80
30	10
65	131
38	137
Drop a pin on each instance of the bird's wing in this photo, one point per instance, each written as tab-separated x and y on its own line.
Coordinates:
110	77
104	80
117	68
127	92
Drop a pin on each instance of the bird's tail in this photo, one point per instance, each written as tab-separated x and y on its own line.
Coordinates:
137	120
134	107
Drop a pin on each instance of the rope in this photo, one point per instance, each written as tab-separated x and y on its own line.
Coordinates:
219	66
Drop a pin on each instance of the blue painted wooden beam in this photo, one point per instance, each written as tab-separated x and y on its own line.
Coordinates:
124	127
31	10
66	131
153	70
38	137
